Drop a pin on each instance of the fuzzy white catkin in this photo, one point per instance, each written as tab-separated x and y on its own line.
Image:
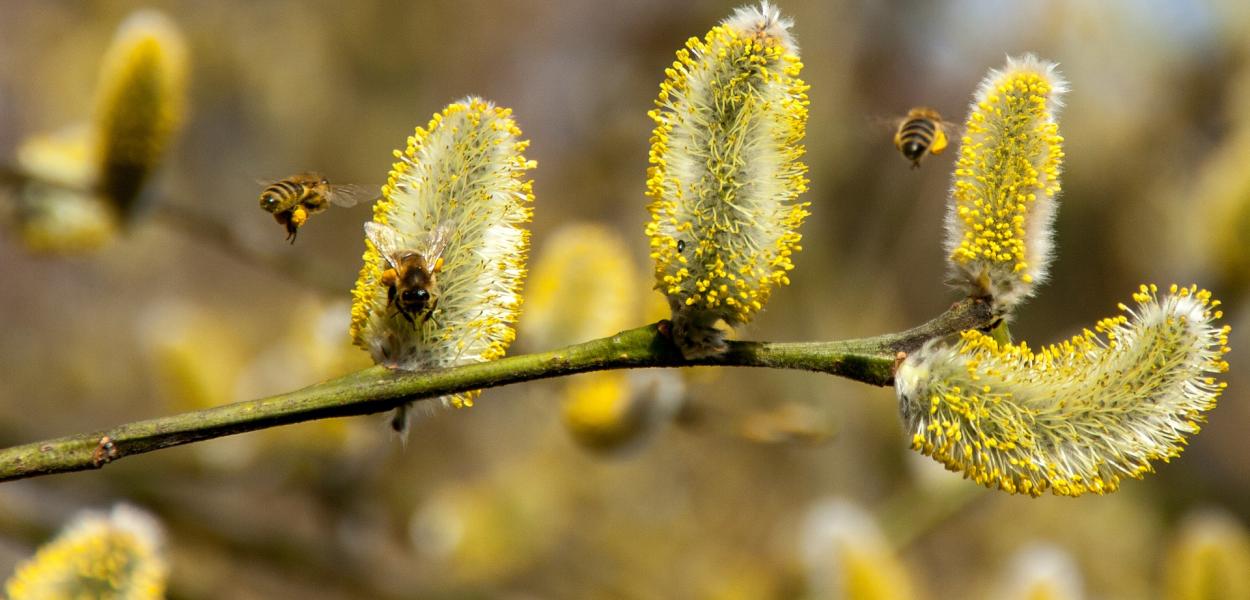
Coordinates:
999	219
726	174
465	172
1075	417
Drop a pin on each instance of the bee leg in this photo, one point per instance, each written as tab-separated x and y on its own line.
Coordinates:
408	315
429	312
299	216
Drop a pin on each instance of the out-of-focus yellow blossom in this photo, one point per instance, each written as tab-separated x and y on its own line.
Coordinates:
86	180
1209	559
611	411
194	357
1042	572
56	211
583	286
106	556
488	529
140	105
846	556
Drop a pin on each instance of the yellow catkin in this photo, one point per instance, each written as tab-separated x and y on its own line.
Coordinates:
583	286
1002	205
139	105
726	174
1075	417
117	555
1041	572
464	171
1209	559
847	556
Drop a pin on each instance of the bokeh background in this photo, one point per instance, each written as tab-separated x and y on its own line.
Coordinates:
734	479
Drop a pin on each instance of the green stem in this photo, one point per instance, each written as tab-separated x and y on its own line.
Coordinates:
376	389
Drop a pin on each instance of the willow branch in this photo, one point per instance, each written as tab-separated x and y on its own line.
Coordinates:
377	389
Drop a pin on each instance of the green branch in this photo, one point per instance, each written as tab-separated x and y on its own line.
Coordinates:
376	389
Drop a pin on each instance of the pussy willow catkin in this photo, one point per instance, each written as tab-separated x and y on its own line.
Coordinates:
726	174
998	224
1077	416
464	173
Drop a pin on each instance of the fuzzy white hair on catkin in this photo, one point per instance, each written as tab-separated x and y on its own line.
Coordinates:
764	19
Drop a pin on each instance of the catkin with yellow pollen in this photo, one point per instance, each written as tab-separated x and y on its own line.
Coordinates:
999	220
139	105
117	555
726	174
1077	416
464	171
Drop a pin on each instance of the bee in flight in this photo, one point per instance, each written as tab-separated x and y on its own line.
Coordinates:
411	281
291	200
919	133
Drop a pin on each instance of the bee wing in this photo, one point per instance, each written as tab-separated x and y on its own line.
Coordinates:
953	130
349	194
386	240
884	121
436	241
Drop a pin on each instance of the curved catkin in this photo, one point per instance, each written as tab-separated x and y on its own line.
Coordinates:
999	219
1075	417
464	171
726	174
117	555
139	104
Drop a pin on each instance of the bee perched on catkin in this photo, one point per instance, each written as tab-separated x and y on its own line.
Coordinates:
726	175
1075	417
445	253
998	224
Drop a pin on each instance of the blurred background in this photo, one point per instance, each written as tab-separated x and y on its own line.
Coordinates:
693	484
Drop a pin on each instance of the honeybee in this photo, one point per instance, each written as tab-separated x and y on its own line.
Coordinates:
293	199
412	279
919	133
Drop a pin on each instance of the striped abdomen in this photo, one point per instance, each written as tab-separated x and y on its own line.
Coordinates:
920	133
283	195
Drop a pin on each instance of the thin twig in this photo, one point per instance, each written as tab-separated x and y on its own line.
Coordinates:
223	237
213	232
377	389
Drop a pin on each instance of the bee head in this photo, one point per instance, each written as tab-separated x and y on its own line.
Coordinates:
269	202
417	297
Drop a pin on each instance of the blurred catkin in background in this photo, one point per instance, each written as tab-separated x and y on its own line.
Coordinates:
278	87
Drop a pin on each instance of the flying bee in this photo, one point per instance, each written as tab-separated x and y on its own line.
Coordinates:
919	133
293	199
412	279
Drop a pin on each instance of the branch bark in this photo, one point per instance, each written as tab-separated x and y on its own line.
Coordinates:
377	389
